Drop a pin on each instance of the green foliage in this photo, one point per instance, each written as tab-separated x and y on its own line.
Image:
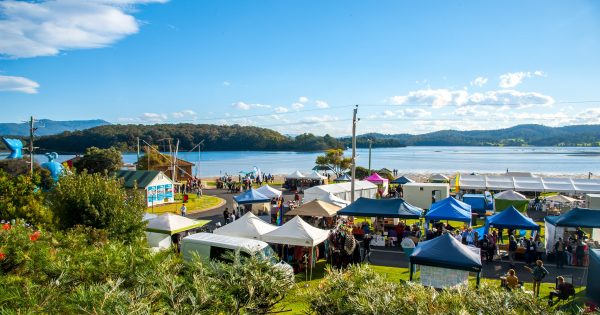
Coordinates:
335	160
97	160
216	138
153	157
81	271
97	201
361	172
20	198
360	290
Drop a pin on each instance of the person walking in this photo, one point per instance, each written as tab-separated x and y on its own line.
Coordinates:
540	248
512	249
559	250
226	215
539	273
367	247
183	210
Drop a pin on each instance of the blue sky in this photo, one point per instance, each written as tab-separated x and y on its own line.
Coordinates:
298	66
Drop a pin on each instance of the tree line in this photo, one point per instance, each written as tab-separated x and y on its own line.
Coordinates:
215	137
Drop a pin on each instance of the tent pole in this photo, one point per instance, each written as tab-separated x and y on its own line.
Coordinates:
478	279
410	277
312	257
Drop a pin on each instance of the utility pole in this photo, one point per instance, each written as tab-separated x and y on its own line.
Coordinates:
353	152
370	142
31	130
138	149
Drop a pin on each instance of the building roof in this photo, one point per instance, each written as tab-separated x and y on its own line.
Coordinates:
142	178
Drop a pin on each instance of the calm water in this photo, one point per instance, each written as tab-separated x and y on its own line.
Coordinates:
550	160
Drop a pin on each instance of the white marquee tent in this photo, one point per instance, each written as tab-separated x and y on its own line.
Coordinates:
269	191
341	190
510	195
248	226
530	184
296	232
295	175
315	176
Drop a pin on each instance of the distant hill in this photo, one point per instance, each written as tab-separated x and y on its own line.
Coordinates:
216	138
49	127
246	138
520	135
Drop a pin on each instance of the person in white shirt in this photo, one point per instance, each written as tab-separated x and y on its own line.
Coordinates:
183	210
232	217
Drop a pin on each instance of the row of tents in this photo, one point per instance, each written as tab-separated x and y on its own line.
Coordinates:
529	184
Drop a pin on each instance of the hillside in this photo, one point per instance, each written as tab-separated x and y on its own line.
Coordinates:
216	138
521	135
47	127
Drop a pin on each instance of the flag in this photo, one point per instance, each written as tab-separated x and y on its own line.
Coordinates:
279	219
457	183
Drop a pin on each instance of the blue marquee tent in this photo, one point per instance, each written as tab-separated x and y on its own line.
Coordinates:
479	202
446	252
343	178
593	285
449	209
402	180
510	218
578	217
251	196
382	208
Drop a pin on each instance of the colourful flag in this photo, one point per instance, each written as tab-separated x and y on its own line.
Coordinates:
279	219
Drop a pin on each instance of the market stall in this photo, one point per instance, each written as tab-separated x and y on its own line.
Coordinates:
509	198
402	180
445	262
160	229
315	208
269	191
296	232
382	183
510	218
382	208
248	226
560	226
343	178
449	209
255	202
342	190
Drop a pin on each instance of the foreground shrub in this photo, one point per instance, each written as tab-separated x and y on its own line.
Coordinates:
360	290
97	201
84	271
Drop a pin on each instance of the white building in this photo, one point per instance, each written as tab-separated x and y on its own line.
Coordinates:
156	186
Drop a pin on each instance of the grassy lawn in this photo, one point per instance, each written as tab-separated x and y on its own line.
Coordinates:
295	301
194	204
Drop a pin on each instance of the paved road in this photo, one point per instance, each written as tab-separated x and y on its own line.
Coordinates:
394	257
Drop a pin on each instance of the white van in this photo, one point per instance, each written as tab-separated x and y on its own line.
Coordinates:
213	246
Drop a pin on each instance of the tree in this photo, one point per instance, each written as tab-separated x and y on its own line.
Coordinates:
98	201
335	160
361	172
151	156
21	198
97	160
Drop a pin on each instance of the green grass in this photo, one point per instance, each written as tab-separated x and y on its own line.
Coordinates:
194	204
295	302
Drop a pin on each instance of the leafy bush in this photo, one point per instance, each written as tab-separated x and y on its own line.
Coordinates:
360	290
20	198
83	271
97	160
97	201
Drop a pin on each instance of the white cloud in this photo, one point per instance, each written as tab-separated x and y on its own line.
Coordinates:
443	97
226	83
189	114
280	110
479	81
414	113
512	79
247	106
153	117
45	28
388	113
18	84
297	106
303	99
321	104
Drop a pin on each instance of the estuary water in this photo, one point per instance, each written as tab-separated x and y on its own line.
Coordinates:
422	159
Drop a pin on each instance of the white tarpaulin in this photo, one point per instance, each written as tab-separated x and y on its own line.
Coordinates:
341	190
296	232
248	226
532	184
269	191
510	195
169	223
438	277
